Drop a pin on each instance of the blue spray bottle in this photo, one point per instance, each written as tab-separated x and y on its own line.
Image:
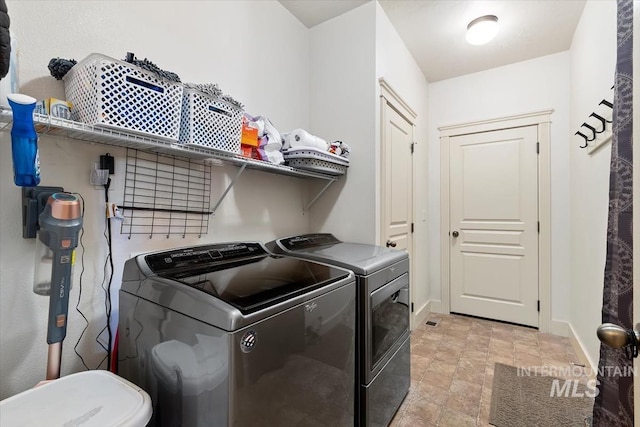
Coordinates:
24	141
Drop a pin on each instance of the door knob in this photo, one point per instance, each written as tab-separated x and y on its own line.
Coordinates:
455	234
618	337
391	244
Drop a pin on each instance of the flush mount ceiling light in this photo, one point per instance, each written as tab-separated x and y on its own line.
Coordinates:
482	30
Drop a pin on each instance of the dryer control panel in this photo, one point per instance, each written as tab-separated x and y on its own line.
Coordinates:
306	241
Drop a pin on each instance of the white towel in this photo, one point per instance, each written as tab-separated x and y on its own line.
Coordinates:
302	138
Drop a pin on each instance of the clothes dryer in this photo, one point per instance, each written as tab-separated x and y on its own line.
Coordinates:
383	361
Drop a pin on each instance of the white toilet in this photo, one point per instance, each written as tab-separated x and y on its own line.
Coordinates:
87	399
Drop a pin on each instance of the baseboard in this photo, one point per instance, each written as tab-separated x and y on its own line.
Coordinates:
436	306
421	314
559	327
565	329
580	352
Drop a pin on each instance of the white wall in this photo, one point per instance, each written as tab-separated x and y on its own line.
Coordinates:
342	107
325	80
593	58
348	55
256	51
400	70
537	84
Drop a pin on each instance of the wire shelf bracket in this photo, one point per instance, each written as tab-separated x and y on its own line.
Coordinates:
226	191
320	193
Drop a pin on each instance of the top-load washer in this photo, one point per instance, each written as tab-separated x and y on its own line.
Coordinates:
383	362
229	335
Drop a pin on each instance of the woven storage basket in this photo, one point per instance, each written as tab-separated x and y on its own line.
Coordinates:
210	122
109	93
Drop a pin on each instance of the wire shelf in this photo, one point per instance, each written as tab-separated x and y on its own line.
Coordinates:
49	125
95	134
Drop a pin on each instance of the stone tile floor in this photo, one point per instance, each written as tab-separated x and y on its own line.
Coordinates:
452	367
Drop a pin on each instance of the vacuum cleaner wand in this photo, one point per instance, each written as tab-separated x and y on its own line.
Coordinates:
60	225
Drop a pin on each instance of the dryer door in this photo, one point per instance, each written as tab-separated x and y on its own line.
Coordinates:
387	322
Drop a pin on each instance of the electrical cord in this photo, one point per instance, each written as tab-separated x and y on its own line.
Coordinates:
108	290
86	321
86	326
106	301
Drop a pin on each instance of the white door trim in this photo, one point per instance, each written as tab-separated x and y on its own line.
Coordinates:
388	96
542	119
392	97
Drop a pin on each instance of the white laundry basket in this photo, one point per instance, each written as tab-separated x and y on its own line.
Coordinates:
210	122
87	399
114	94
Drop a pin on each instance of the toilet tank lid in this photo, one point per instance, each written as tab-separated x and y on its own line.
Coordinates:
91	398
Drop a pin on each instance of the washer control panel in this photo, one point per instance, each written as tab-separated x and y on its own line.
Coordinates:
201	256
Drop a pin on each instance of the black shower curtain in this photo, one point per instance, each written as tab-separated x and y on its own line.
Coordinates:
614	403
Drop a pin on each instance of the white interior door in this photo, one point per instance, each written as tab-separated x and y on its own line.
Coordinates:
396	199
494	225
397	206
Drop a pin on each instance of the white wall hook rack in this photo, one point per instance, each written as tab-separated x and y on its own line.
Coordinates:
596	131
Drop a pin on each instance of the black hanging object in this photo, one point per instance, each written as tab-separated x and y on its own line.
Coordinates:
592	129
586	140
58	67
607	103
5	40
602	120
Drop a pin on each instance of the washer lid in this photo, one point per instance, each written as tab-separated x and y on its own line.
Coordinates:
362	259
87	399
243	275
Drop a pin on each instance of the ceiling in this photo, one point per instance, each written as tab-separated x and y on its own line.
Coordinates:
434	30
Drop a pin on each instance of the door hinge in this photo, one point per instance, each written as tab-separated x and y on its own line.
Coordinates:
412	227
412	307
538	227
412	147
538	306
537	148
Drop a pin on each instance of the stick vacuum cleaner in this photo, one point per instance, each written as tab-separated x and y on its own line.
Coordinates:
60	225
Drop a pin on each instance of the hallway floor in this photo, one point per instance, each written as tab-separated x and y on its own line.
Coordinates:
452	367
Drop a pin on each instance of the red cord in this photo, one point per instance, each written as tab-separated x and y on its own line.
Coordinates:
114	356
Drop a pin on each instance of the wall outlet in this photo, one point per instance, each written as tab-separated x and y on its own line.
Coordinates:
107	162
